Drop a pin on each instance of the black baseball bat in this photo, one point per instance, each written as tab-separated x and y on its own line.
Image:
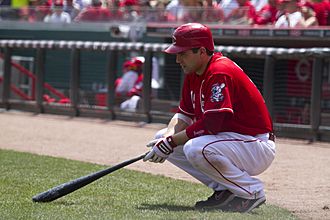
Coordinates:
73	185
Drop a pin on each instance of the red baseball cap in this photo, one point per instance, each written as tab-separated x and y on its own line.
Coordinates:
191	35
58	3
128	63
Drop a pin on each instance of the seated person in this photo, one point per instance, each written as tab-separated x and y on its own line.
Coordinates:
267	14
292	15
58	15
135	93
243	15
127	82
308	17
95	12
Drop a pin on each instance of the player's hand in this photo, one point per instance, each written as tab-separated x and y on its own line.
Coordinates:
153	142
160	150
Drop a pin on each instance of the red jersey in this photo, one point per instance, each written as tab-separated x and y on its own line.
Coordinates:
247	11
225	88
94	13
266	15
322	10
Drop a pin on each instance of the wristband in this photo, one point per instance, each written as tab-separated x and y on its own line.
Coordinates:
171	142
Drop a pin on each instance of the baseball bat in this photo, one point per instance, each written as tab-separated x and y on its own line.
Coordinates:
73	185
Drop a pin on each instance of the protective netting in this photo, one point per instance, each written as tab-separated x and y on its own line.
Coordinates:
292	84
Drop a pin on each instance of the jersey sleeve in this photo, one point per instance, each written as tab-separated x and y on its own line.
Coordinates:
127	82
218	92
186	103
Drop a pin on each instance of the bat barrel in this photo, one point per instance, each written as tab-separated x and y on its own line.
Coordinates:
68	187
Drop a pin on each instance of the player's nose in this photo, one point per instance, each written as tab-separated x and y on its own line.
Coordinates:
178	59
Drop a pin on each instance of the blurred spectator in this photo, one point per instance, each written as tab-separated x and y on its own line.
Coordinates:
259	4
188	11
308	17
6	13
212	12
156	11
267	14
37	10
41	9
322	10
228	6
292	15
131	84
243	15
13	9
175	10
95	12
281	8
137	89
114	6
131	10
24	14
128	80
132	103
58	15
72	8
192	11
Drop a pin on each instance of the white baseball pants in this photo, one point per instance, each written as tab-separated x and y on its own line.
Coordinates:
227	160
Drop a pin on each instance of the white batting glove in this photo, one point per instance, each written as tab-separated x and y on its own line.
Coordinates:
153	142
160	150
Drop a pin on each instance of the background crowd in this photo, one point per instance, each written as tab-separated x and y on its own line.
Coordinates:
279	13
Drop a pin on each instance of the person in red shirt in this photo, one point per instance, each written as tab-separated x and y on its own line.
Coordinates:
244	14
126	83
131	84
267	14
222	133
212	12
322	10
94	13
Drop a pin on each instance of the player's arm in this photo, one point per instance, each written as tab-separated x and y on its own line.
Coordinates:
179	122
162	147
127	82
177	128
181	131
184	116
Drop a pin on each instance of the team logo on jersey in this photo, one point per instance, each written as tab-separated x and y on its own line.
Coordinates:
216	90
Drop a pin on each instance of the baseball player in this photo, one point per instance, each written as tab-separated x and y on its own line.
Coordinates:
128	80
222	133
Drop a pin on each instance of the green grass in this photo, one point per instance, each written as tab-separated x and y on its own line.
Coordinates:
124	194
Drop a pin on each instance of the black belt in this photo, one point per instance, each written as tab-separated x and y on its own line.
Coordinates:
272	136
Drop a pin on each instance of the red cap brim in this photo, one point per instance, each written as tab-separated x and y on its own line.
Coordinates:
175	49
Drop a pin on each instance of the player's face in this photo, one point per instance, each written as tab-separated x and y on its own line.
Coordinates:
190	62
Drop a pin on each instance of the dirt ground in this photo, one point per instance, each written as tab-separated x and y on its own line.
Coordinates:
298	179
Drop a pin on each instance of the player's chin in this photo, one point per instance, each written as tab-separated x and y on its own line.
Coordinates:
185	70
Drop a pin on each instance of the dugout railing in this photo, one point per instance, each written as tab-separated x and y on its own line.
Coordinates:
311	122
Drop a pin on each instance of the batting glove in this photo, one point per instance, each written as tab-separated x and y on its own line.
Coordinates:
153	142
160	150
